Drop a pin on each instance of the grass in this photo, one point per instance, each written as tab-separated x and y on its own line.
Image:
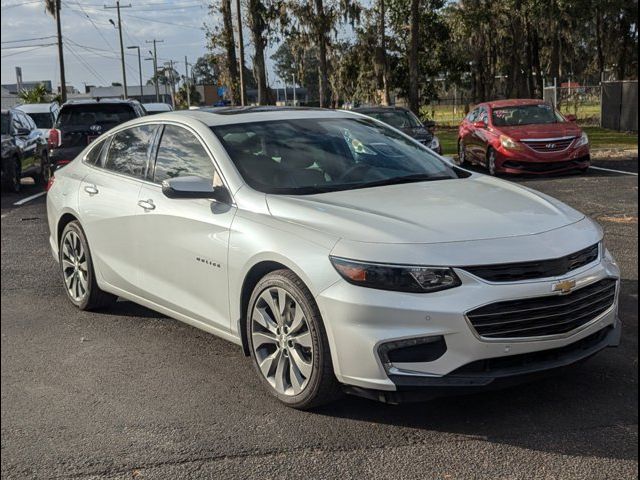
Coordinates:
598	137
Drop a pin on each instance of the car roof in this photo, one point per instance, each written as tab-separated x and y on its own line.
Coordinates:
514	102
158	105
90	101
35	107
233	115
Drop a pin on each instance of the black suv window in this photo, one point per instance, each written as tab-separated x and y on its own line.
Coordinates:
107	115
179	154
129	151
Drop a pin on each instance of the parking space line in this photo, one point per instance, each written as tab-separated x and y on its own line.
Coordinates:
28	199
615	171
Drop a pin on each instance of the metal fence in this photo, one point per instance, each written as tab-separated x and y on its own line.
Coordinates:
582	101
620	105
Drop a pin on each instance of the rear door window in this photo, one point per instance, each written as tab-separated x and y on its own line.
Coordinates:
94	155
129	151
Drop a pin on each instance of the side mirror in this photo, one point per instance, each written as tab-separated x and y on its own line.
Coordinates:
478	124
195	187
23	132
571	118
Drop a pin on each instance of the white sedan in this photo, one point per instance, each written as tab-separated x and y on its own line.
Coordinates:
340	254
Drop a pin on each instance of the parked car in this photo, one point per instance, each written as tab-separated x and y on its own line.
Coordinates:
522	136
43	114
152	108
82	121
406	121
24	152
337	252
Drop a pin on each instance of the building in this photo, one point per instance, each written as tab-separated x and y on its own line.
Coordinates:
133	92
13	87
9	100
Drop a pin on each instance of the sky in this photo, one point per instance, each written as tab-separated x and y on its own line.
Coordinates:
92	51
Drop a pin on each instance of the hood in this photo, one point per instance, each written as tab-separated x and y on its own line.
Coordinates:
419	133
456	210
550	130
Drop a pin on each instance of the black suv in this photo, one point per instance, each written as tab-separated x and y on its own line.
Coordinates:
24	151
81	121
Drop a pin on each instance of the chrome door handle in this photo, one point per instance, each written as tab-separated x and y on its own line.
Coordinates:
146	204
91	189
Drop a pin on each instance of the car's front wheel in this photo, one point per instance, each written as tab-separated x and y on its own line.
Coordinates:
288	343
11	175
491	161
77	270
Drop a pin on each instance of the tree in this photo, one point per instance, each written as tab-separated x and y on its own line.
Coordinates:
261	15
181	95
205	70
317	21
413	56
295	57
222	48
38	94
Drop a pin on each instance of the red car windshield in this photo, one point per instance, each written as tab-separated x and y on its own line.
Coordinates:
525	115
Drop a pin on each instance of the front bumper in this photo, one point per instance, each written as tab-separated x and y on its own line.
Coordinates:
359	320
531	162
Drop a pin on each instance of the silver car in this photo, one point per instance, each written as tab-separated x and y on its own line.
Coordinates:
337	252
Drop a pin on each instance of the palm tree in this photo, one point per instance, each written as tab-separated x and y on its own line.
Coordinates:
52	7
35	95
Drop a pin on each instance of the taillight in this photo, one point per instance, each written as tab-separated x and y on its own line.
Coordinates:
55	137
52	179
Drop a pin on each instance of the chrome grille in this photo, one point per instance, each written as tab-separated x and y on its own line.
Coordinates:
549	145
541	316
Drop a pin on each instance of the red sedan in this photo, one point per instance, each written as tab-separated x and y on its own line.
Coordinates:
522	136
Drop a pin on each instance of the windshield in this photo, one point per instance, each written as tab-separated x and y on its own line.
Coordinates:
525	115
5	124
397	118
95	114
43	120
309	156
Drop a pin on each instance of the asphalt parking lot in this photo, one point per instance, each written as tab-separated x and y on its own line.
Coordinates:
129	393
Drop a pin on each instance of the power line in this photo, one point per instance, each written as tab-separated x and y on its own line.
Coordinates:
24	51
92	23
29	39
6	7
165	23
27	46
86	65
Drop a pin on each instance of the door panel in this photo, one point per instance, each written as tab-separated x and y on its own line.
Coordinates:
108	208
183	254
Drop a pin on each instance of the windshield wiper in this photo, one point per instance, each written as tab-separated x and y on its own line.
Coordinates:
418	177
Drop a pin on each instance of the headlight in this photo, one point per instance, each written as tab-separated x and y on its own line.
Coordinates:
398	278
509	143
583	140
434	144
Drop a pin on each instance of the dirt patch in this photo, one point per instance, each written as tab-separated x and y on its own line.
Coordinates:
626	219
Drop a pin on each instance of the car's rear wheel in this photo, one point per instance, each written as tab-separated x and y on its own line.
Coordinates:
288	343
42	178
77	270
11	175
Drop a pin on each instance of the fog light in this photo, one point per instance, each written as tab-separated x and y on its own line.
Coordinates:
412	350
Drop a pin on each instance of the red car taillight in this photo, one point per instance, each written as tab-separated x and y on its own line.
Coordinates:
55	137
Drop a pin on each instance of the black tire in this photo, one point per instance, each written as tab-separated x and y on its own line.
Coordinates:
322	386
490	152
462	161
11	175
95	298
43	177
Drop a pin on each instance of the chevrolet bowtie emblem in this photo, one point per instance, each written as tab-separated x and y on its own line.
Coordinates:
565	286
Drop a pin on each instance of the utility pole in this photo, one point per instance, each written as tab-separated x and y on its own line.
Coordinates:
139	69
124	72
186	81
241	46
63	83
155	66
173	83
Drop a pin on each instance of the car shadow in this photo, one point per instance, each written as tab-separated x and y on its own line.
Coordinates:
573	413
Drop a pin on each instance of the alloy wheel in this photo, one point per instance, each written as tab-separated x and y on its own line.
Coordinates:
75	267
492	162
281	341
